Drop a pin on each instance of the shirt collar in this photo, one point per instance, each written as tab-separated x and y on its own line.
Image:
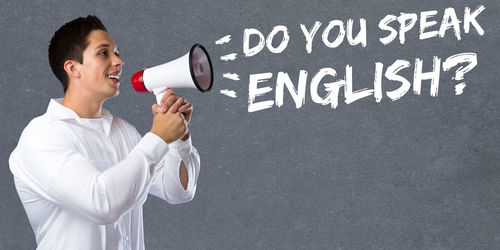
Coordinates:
61	112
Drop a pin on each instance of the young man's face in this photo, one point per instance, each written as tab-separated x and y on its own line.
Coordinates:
102	66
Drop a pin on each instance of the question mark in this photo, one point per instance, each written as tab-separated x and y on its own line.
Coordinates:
454	60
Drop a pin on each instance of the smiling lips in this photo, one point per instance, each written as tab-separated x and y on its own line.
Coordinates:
115	76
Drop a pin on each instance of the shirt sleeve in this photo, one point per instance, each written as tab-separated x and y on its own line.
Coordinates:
166	182
54	168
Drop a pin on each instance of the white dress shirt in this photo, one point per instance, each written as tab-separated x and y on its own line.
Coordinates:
82	182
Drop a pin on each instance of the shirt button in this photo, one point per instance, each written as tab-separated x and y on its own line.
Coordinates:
126	237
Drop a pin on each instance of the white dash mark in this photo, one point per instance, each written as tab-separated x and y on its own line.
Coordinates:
459	88
230	93
229	57
231	76
223	40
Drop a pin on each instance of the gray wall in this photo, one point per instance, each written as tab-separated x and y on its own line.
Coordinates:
421	172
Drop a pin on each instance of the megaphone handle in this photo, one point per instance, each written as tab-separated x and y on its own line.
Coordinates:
159	92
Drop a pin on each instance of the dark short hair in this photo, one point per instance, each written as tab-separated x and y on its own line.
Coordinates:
69	42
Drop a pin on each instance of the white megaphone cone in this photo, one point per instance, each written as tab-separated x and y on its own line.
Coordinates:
193	70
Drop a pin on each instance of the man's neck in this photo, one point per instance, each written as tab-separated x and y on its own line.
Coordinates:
84	107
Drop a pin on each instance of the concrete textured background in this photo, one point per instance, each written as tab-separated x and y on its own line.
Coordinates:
421	172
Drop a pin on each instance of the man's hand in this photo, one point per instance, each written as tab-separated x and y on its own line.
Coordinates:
169	126
174	103
171	102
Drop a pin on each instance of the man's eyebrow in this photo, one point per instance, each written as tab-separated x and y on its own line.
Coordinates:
106	45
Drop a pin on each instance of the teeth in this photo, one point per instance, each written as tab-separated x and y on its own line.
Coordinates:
114	77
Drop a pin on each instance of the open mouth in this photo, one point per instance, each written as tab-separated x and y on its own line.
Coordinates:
116	77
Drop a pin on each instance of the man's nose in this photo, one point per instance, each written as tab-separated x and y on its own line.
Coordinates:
117	61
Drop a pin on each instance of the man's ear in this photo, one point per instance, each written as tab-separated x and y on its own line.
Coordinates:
72	68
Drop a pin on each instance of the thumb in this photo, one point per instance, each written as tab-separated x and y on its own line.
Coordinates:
155	109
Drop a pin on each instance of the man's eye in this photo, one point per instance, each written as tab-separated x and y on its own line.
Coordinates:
117	54
104	53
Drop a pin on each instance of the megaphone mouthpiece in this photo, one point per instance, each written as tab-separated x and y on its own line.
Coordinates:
137	82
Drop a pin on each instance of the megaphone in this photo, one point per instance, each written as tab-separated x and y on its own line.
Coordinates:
193	70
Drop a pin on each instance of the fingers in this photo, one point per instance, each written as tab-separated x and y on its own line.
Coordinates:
155	109
166	103
166	95
171	102
185	107
178	103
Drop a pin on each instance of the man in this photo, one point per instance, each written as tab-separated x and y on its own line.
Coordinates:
83	174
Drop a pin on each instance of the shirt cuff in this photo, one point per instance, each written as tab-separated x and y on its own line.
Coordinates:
183	147
153	146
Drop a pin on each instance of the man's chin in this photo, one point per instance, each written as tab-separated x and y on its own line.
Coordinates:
112	95
117	92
